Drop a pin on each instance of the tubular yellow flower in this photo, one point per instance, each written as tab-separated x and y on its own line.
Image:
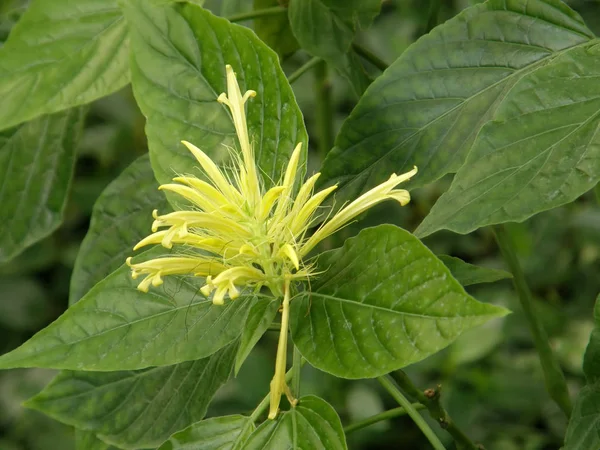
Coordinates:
238	235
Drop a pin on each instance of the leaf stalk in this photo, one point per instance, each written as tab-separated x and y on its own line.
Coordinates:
389	414
388	383
370	56
431	399
554	377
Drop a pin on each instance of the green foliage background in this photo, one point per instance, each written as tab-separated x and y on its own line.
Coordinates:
492	383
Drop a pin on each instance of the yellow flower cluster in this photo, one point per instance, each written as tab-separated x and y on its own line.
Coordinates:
237	234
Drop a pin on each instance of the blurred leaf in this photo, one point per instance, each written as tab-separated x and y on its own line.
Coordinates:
476	343
583	432
177	77
428	106
117	327
541	152
59	56
23	303
275	31
468	274
326	28
121	217
591	360
260	316
87	440
136	409
36	166
313	424
383	302
219	433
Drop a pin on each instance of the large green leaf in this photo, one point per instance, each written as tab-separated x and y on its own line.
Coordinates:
384	301
136	409
61	55
121	217
117	327
87	440
313	424
326	28
542	151
36	166
219	433
428	107
591	360
275	31
583	432
468	274
178	62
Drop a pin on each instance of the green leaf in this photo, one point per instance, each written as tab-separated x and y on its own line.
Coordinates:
87	440
59	56
219	433
36	166
178	62
260	316
117	327
583	432
313	424
542	151
428	106
468	274
121	217
591	359
275	31
136	409
383	302
326	28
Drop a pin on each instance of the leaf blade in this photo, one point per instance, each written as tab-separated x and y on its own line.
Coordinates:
120	219
58	57
36	166
117	327
364	318
184	72
426	109
540	153
159	401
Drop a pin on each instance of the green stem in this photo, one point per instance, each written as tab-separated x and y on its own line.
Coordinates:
389	385
273	11
296	369
431	399
369	56
303	69
275	326
323	112
390	414
553	374
432	16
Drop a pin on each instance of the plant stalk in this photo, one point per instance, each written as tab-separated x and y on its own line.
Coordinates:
388	383
303	69
390	414
431	399
324	110
296	368
369	56
554	377
273	11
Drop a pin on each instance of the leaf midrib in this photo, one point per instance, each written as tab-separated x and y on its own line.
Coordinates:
518	72
392	311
